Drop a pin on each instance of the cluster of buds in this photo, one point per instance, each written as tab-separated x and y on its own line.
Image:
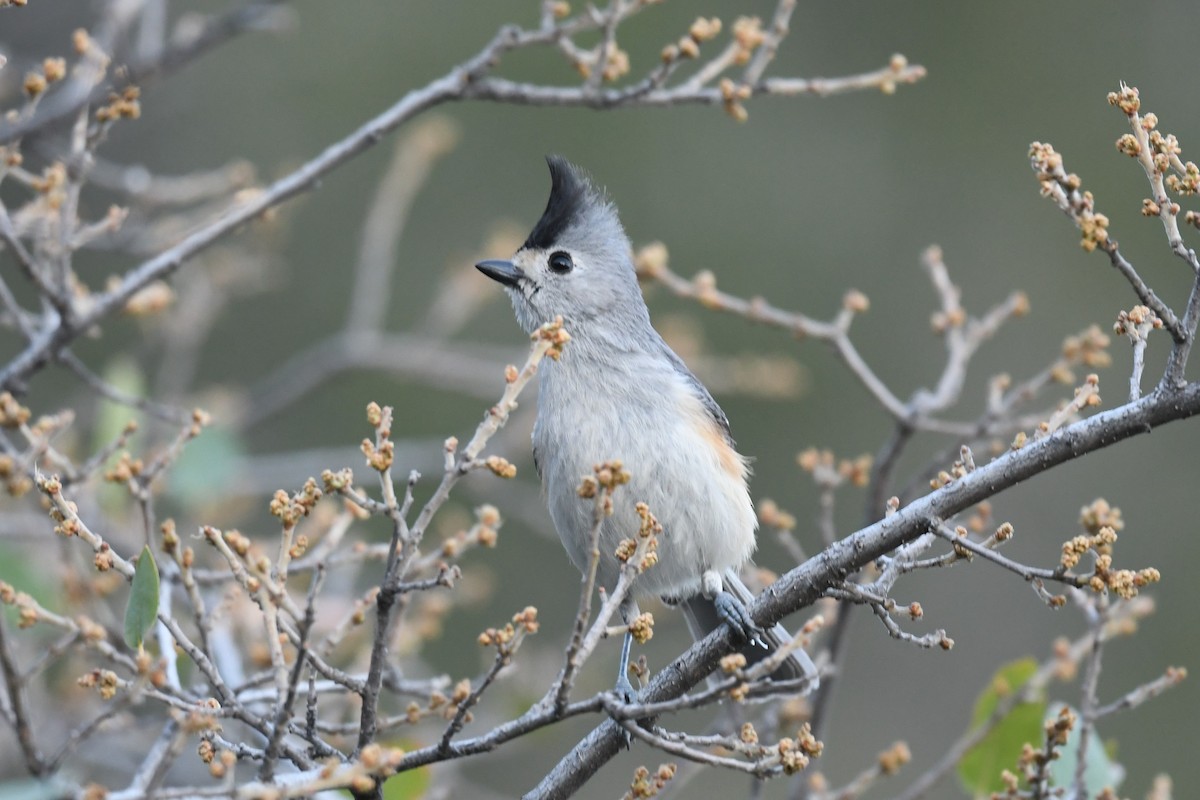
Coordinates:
1163	149
379	457
649	784
891	760
153	298
224	761
64	512
1077	546
616	63
553	334
732	97
1127	99
509	638
650	261
1101	522
608	475
642	627
702	30
732	663
125	105
12	413
1100	514
126	469
748	36
1033	762
26	606
1086	395
237	541
338	481
1136	323
103	680
1124	583
501	467
1089	348
439	703
290	510
52	71
795	754
483	533
1064	189
378	761
16	482
641	552
1185	183
830	472
770	515
959	469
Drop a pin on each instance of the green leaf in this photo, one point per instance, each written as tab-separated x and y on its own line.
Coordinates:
979	769
143	599
408	785
1101	770
16	570
411	784
111	417
207	467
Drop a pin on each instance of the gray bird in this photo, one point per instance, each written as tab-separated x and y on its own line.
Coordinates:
619	392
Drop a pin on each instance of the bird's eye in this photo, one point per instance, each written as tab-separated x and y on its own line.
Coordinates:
560	263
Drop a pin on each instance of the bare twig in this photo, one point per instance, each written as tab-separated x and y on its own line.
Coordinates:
17	707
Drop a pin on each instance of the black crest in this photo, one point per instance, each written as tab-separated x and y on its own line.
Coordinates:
569	191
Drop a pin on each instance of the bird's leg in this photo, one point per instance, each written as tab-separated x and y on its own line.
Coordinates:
624	689
731	610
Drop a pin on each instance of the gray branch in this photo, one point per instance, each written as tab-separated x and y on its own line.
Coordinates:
805	584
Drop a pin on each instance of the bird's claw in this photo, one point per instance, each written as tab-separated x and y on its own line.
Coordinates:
628	695
733	612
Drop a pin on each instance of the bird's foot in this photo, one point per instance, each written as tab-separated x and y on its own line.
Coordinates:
628	695
733	612
624	691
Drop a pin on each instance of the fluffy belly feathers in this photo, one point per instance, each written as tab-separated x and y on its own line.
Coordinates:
688	474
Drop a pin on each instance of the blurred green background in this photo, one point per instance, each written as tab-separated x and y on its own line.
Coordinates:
808	198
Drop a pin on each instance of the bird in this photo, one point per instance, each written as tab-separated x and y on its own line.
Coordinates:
618	392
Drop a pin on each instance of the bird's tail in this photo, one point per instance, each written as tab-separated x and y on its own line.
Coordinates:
702	619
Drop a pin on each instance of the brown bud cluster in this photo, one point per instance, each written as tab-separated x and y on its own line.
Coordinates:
650	261
555	335
337	481
501	467
732	97
642	627
648	784
770	515
830	471
125	105
1126	99
895	757
1136	323
795	754
290	510
12	413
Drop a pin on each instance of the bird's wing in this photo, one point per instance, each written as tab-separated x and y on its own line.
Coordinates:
702	393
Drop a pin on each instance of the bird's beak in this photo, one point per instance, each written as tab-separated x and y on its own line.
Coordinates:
504	272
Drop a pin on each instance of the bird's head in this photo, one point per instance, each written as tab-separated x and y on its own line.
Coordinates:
576	262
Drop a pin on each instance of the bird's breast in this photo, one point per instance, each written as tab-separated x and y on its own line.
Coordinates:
680	462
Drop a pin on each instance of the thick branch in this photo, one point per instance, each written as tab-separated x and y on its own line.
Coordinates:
805	584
